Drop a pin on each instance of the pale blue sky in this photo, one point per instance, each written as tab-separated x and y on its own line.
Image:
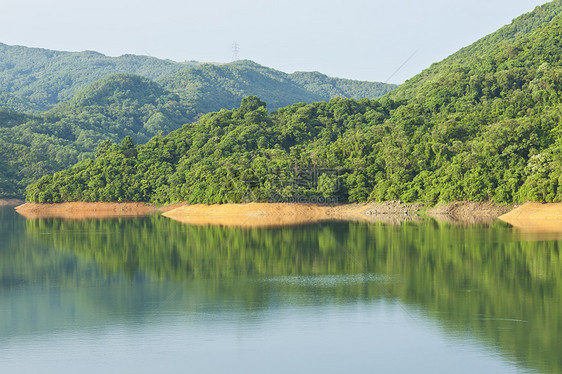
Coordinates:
355	39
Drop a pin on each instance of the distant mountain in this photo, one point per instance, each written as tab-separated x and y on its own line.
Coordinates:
211	87
44	78
330	88
484	124
35	80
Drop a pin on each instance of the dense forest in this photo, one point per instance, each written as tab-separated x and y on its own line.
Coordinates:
483	125
108	110
32	145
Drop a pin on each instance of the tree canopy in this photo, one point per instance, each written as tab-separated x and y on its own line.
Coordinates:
478	126
120	105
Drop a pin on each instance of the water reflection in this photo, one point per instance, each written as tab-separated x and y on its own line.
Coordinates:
478	281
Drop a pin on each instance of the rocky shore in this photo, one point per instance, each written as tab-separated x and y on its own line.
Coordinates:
10	202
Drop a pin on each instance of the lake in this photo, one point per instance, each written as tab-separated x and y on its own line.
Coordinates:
151	295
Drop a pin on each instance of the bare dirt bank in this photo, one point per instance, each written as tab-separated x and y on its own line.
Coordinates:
84	210
247	215
269	214
10	202
536	218
285	214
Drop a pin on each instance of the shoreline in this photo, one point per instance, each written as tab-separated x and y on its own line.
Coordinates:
469	212
290	214
532	221
536	217
270	214
248	214
85	210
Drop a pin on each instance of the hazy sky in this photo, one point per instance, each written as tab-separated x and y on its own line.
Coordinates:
355	39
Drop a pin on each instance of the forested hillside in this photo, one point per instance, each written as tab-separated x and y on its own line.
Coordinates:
35	80
486	126
118	105
212	87
112	108
330	88
43	78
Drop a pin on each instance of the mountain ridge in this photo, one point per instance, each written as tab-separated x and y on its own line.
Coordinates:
36	79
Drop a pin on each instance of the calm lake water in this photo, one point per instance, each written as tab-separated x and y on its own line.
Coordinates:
150	295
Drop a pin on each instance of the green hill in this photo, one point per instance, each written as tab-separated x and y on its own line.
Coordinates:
44	78
119	105
483	128
35	80
211	87
110	109
330	88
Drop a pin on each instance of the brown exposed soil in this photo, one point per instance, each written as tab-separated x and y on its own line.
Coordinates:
248	215
536	218
285	214
10	202
84	210
277	214
468	212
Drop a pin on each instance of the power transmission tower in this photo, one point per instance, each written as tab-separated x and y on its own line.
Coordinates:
235	51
